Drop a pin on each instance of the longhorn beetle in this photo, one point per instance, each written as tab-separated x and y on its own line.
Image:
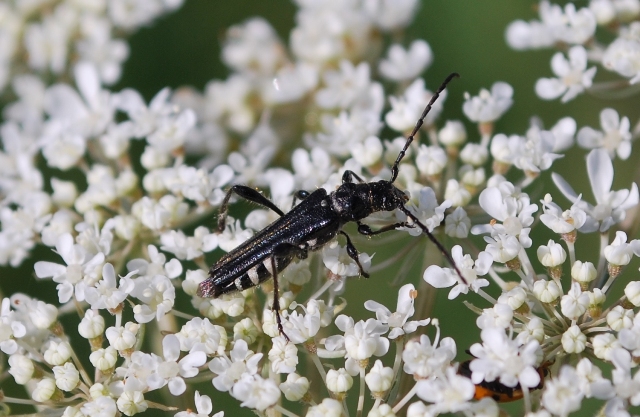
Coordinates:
310	225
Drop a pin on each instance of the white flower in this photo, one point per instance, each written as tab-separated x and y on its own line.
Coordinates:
157	294
361	340
424	206
449	393
620	318
172	372
327	408
199	334
204	407
397	320
230	370
500	357
470	269
488	106
458	223
10	329
81	270
498	316
615	136
105	293
283	356
623	54
573	76
391	15
256	392
561	221
424	360
100	407
336	258
156	265
407	109
611	206
405	65
345	88
562	395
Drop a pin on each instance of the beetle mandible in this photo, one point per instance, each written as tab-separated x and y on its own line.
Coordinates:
310	225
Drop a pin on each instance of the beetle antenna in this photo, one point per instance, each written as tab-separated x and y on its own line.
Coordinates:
435	241
394	168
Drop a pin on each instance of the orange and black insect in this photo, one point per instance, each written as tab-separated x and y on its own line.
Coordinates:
500	392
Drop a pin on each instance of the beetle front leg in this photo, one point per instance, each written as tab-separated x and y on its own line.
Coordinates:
364	229
349	175
247	193
353	254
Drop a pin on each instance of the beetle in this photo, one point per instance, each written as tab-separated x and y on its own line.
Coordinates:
497	390
310	225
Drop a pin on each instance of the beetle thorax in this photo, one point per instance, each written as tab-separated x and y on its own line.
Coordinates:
353	201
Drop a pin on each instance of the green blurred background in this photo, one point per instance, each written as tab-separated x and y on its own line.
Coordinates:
465	36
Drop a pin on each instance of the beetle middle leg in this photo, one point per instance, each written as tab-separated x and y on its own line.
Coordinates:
364	229
349	175
283	250
247	193
353	254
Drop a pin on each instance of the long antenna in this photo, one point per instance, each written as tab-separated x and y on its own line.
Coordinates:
394	168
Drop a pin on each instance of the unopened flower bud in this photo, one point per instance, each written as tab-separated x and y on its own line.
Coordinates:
295	387
546	291
98	390
632	291
57	353
131	402
573	340
67	376
339	381
104	359
44	390
453	134
21	368
620	318
583	273
379	379
383	410
91	325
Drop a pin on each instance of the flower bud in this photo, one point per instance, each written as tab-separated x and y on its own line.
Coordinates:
104	359
546	291
453	134
583	273
91	325
339	381
620	318
67	376
383	410
57	353
379	379
98	390
44	390
21	368
632	291
573	340
131	402
295	387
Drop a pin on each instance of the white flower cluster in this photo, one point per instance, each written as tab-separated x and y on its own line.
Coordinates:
46	36
131	249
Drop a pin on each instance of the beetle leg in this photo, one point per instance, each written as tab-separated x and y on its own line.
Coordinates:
364	229
283	250
247	193
349	175
353	254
